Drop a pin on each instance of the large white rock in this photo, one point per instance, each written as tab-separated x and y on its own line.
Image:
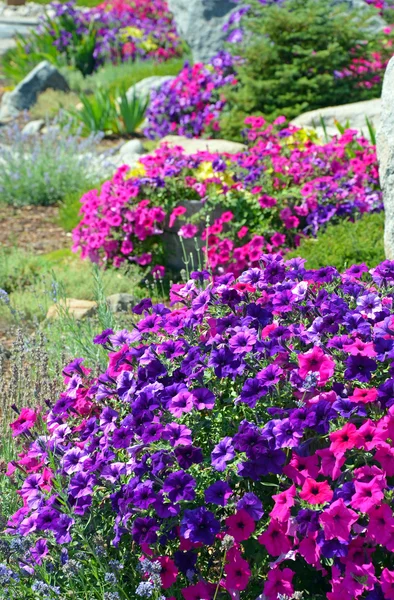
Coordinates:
200	23
42	77
191	146
356	115
385	149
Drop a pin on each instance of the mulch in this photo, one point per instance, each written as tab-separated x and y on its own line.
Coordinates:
32	228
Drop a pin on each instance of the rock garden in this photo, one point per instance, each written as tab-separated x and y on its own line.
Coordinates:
196	300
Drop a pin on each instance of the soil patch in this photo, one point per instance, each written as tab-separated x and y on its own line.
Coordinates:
32	228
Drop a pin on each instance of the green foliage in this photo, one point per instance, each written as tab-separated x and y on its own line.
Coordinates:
69	210
290	59
131	112
89	3
51	102
33	282
38	46
114	76
110	113
18	62
345	244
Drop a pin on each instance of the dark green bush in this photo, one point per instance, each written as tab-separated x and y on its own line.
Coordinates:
290	57
345	244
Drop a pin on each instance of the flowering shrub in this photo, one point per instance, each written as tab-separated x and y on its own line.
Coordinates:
286	185
240	444
191	104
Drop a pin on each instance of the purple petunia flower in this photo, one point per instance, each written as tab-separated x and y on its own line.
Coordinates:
360	368
144	530
179	486
103	337
218	493
199	525
252	504
222	454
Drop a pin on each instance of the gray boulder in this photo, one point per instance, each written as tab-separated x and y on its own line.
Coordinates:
121	302
24	96
356	115
374	24
143	88
200	23
385	150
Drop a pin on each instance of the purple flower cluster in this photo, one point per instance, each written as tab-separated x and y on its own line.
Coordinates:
191	104
241	440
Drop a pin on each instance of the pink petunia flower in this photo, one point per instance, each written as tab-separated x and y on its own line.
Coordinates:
279	582
387	583
283	502
381	524
169	571
237	574
188	231
275	539
344	439
316	492
337	521
367	495
315	361
177	212
240	526
26	420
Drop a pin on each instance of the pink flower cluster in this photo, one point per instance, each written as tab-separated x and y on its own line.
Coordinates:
369	70
284	187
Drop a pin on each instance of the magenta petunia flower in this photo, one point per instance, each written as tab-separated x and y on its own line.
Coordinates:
337	521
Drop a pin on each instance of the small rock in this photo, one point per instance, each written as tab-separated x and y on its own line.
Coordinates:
191	146
356	114
132	147
121	302
75	308
144	87
385	150
24	96
33	127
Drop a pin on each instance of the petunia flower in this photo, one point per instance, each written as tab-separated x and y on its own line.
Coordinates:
240	526
316	492
337	521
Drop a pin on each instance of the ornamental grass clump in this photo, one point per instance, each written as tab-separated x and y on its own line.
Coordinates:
287	185
239	444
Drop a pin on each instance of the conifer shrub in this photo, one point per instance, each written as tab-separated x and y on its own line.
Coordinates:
293	56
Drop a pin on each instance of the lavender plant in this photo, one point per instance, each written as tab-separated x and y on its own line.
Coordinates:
42	169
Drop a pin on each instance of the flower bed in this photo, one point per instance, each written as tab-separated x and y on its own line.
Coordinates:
286	185
114	30
239	444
